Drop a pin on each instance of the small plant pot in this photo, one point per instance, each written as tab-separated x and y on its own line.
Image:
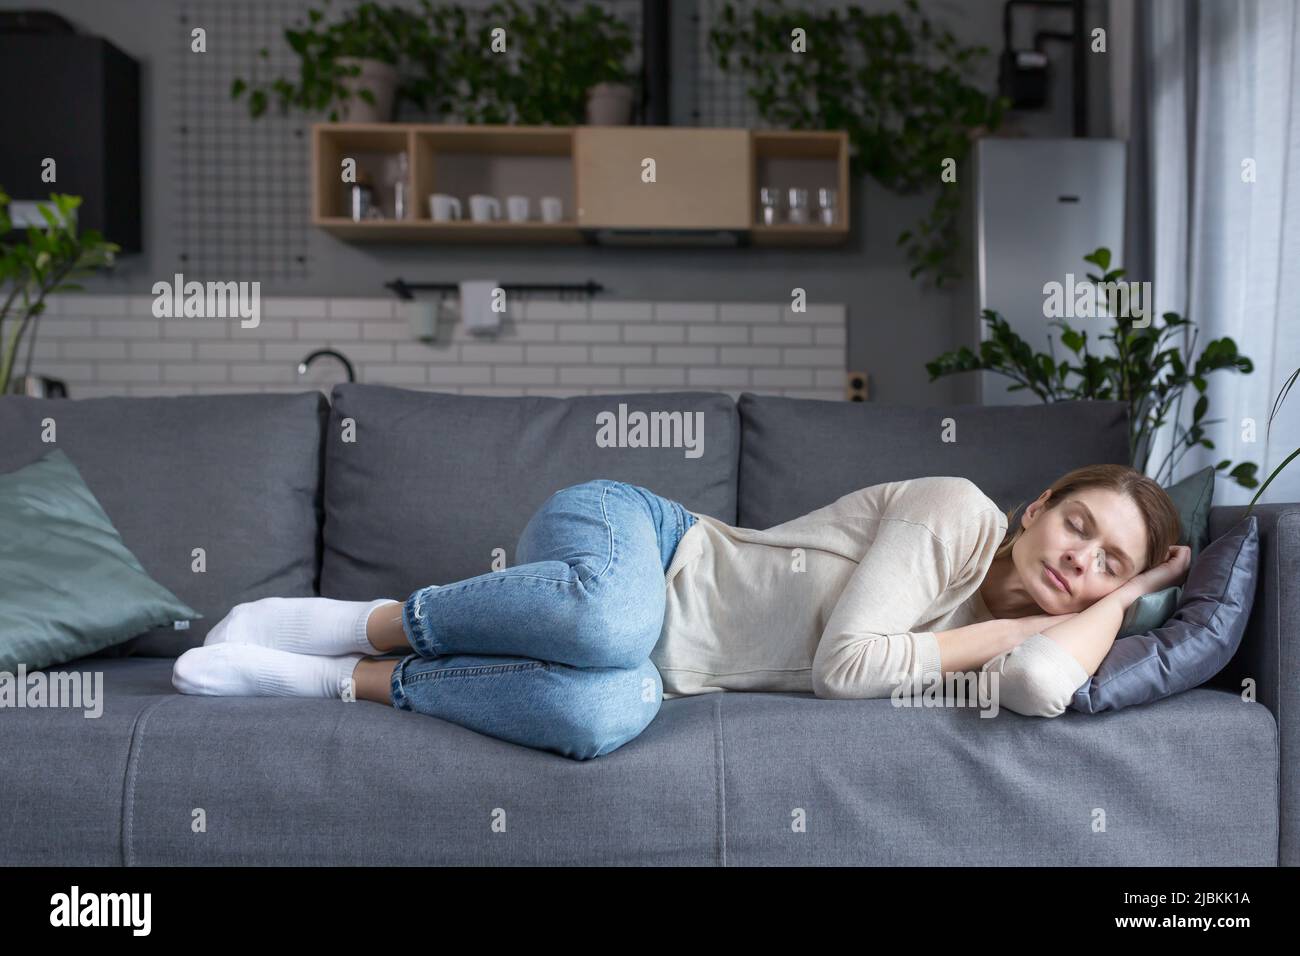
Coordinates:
609	104
380	79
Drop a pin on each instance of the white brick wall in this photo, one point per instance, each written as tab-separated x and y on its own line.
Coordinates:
112	345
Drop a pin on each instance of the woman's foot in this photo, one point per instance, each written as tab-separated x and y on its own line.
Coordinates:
312	625
250	670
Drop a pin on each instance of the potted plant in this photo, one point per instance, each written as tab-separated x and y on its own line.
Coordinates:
1144	371
352	67
898	84
40	263
561	66
600	61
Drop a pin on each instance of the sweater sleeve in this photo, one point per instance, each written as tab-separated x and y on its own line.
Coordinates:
1037	677
867	646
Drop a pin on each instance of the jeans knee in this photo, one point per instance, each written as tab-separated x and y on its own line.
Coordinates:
626	626
620	708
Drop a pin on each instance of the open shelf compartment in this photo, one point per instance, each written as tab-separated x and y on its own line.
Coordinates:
810	159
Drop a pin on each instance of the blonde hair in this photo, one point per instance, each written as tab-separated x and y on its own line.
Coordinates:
1163	525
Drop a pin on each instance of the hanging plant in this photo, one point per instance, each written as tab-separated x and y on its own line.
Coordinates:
895	82
556	54
330	54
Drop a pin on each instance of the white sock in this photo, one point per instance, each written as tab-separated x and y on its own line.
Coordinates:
250	670
311	625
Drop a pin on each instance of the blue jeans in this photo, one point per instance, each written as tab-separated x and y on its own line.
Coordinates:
553	653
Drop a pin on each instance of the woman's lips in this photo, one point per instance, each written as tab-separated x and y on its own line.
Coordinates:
1056	579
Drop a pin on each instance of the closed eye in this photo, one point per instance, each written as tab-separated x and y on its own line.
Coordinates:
1079	531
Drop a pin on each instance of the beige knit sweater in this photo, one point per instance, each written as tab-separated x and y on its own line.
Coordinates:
844	600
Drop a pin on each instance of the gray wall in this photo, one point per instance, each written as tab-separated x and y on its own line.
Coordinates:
894	324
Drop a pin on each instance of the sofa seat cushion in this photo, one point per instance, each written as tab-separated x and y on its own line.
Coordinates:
424	487
1190	780
292	781
716	779
61	789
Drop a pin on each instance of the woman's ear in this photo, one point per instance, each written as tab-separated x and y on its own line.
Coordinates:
1035	508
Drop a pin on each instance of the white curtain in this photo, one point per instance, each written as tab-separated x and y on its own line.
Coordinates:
1219	89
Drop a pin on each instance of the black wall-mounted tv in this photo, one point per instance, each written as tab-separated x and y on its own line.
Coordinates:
74	99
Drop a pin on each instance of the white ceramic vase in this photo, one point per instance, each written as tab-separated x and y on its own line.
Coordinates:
380	79
609	104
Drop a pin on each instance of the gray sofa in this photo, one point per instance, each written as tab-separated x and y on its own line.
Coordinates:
382	490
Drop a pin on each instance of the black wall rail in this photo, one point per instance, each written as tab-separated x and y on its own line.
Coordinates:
403	289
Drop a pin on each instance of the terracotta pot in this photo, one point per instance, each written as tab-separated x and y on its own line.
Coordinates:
609	104
380	79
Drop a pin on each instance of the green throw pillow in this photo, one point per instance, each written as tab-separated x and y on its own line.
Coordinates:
1150	611
1192	497
68	585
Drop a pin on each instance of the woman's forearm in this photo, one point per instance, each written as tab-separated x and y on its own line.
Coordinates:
968	648
1089	635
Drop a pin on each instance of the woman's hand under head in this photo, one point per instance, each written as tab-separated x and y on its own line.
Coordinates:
1075	553
1171	571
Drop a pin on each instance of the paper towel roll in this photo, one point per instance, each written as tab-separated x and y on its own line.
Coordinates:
476	315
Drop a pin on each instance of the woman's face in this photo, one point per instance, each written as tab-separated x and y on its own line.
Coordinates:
1094	541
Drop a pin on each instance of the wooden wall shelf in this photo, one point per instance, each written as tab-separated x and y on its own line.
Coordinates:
706	179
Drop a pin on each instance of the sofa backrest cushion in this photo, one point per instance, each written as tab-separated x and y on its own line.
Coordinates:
798	455
421	487
235	475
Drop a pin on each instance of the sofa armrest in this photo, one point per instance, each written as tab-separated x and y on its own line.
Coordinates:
1270	650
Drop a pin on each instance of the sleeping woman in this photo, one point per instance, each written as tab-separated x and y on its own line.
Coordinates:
623	598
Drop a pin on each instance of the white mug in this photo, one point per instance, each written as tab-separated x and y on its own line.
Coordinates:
552	209
484	208
443	208
517	208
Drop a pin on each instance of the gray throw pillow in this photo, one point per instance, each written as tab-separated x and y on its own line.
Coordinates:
1192	497
1196	643
68	585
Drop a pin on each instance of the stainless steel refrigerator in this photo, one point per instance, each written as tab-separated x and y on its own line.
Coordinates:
1038	207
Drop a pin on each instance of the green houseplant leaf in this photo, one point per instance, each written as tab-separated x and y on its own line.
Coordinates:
1145	371
1282	394
38	264
387	33
446	60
